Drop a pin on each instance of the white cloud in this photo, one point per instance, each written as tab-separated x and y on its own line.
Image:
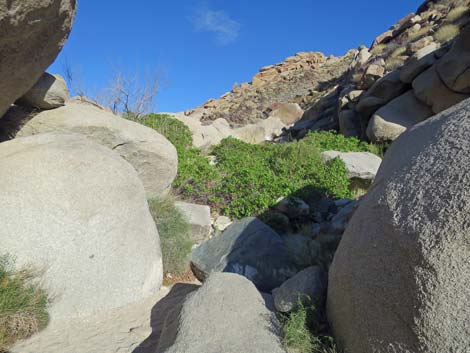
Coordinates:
225	28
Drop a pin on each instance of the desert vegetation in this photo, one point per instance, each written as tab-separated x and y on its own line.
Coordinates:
174	235
23	304
245	179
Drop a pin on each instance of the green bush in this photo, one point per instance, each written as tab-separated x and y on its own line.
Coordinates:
299	334
23	304
195	174
248	179
174	235
174	130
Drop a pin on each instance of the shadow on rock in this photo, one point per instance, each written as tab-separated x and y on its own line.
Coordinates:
164	313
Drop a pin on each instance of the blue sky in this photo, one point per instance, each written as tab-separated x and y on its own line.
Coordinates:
200	48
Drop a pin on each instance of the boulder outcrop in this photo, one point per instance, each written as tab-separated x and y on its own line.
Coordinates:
400	280
78	212
48	93
33	33
226	315
249	248
151	154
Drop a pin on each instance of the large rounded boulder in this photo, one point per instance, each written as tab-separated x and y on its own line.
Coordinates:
151	154
32	33
400	280
77	212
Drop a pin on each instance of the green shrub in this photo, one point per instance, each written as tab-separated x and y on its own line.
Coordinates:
299	332
195	175
248	179
253	177
446	33
174	235
23	304
174	130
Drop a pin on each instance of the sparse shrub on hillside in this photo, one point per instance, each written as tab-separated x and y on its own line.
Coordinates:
378	49
174	235
393	63
418	34
23	304
446	33
398	52
457	13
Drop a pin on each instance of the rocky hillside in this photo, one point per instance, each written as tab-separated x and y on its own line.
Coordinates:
344	93
192	234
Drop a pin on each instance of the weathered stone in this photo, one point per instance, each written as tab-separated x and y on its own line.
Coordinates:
151	154
292	207
303	250
393	119
221	223
372	74
307	286
247	247
382	92
420	44
32	34
226	315
199	219
48	93
288	113
402	268
454	67
419	62
429	88
77	211
340	220
263	130
383	38
360	165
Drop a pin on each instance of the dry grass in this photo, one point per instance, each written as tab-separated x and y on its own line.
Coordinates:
398	52
393	63
446	33
378	49
418	34
457	13
23	304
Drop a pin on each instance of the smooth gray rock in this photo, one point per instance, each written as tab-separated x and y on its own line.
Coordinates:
221	223
48	93
151	154
308	286
400	280
78	212
394	118
199	219
419	62
340	220
247	247
360	165
429	89
454	67
226	315
382	92
32	35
